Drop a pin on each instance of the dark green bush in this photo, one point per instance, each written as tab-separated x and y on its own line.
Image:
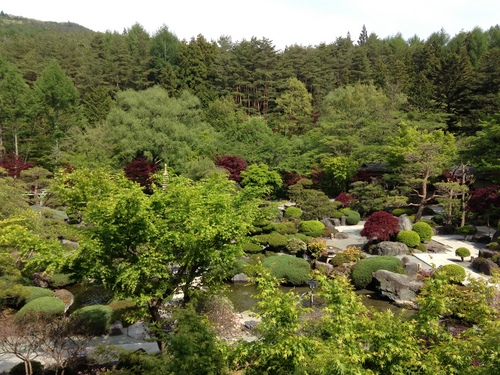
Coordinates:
291	269
60	280
424	231
93	320
276	241
337	205
287	227
19	369
337	215
353	217
402	211
433	224
37	292
462	252
362	272
293	213
43	307
467	230
451	273
409	237
302	237
494	246
438	219
312	228
252	248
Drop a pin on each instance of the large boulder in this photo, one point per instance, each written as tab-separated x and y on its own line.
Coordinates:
390	248
324	267
436	247
484	266
66	296
496	236
405	223
328	223
483	253
397	287
341	236
41	279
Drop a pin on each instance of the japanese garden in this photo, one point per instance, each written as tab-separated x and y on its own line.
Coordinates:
142	176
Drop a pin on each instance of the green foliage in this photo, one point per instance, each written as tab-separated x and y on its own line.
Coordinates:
353	217
311	228
296	245
20	369
252	248
260	181
314	203
42	307
316	246
93	320
274	240
402	211
60	280
123	310
339	260
362	272
290	269
37	292
462	252
287	227
302	236
421	247
424	231
452	273
467	230
293	213
409	238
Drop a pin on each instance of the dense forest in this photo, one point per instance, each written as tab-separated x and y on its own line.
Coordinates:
148	167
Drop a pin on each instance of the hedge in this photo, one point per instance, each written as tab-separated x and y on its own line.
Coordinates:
291	269
93	320
409	237
43	307
287	227
424	230
252	248
402	211
362	272
312	228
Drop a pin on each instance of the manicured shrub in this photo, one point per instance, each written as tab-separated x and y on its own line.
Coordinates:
339	260
302	236
93	320
344	199
287	227
494	246
467	230
362	272
337	215
451	273
402	211
276	241
292	212
316	247
37	292
409	237
42	307
381	226
462	252
421	247
296	245
424	231
312	228
291	269
353	253
19	369
123	311
353	217
252	248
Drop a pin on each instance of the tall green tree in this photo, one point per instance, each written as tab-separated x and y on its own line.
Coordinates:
296	105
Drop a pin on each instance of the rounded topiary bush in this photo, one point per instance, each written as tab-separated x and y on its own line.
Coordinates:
93	320
353	217
276	241
402	211
462	252
424	230
451	273
301	236
37	292
296	245
312	228
362	272
42	307
19	369
252	248
287	227
291	269
293	213
409	238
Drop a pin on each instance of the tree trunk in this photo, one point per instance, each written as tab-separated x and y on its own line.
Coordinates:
154	311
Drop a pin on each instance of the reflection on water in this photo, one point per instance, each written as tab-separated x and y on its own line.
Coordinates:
241	295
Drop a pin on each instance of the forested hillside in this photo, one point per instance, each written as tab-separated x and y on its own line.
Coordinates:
77	97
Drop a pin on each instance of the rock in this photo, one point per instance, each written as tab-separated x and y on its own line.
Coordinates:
412	269
405	261
405	223
239	278
137	331
326	268
481	238
390	248
116	329
328	223
41	279
484	266
436	247
496	236
343	220
396	286
341	236
66	296
487	253
250	324
336	222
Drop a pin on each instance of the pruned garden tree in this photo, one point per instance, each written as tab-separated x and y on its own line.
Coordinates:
380	226
146	248
419	156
